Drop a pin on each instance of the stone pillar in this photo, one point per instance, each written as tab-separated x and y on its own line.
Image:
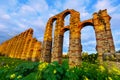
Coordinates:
27	42
3	49
99	35
30	49
102	33
47	42
16	49
75	45
106	19
0	49
36	51
22	44
19	46
9	46
58	41
57	49
14	46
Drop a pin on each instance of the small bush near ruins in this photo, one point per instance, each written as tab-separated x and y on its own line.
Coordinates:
15	69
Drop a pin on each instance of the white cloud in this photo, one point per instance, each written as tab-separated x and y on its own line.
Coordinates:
6	16
79	6
12	34
58	4
39	5
26	9
52	12
89	43
75	4
21	25
2	27
106	4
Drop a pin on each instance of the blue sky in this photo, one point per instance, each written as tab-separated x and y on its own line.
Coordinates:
18	15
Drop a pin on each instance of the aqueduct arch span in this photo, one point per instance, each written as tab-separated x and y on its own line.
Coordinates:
100	23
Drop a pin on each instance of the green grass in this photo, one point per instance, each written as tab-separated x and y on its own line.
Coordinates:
11	66
16	69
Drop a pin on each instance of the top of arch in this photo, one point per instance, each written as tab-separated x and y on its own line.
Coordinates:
65	12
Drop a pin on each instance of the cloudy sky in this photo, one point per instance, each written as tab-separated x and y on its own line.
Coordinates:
18	15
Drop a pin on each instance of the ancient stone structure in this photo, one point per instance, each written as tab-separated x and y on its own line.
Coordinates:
101	24
22	46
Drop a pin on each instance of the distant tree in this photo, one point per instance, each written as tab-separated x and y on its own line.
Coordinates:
65	56
84	54
89	57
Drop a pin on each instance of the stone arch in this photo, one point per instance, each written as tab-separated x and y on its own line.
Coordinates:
58	35
47	43
86	23
66	12
74	39
100	23
82	25
66	28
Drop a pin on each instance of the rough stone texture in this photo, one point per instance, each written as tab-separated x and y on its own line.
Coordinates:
105	44
30	48
100	23
37	49
22	46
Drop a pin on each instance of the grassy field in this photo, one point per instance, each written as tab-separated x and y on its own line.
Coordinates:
16	69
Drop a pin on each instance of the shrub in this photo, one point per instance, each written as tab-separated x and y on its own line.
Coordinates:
55	71
91	58
25	70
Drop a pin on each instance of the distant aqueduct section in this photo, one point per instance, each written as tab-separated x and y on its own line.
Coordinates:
25	47
22	46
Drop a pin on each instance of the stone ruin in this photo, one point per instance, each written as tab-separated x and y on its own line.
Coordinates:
25	47
22	46
101	24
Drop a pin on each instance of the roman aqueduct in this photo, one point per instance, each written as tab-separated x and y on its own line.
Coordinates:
52	48
100	23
